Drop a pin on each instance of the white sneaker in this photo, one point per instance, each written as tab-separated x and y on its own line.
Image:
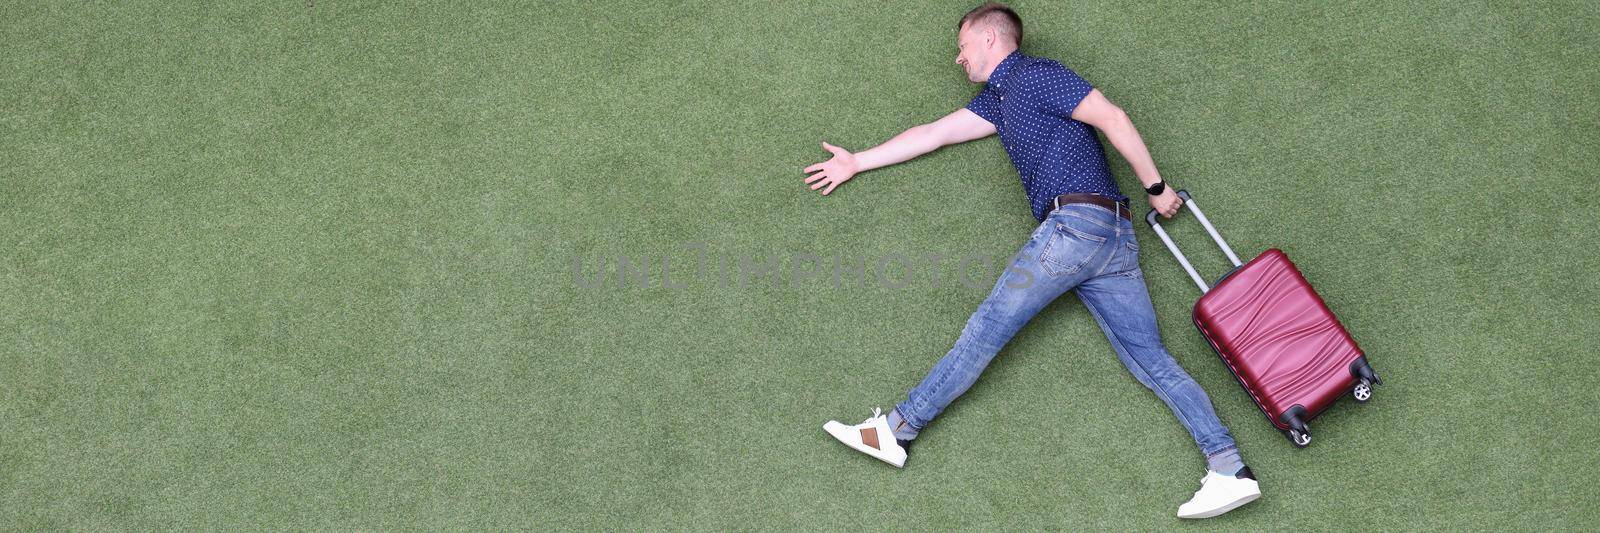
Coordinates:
872	437
1219	494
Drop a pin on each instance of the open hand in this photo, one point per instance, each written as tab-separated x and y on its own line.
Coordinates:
832	172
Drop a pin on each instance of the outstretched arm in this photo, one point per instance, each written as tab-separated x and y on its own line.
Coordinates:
961	126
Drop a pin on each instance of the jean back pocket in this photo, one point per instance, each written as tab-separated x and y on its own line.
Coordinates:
1070	248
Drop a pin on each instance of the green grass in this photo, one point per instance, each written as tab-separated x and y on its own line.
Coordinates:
272	266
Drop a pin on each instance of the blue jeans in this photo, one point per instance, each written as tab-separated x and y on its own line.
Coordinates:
1089	249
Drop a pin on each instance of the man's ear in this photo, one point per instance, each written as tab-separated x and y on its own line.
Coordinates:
989	37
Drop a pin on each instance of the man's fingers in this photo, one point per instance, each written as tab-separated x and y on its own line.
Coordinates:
817	176
831	148
813	168
819	184
830	188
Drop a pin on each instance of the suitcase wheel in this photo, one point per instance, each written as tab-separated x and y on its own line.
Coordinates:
1365	379
1298	433
1301	439
1363	391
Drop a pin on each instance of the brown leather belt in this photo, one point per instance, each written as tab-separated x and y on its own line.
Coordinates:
1121	208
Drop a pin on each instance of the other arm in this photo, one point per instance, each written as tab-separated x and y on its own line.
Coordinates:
961	126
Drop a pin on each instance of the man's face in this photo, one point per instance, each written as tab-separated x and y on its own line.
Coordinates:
970	54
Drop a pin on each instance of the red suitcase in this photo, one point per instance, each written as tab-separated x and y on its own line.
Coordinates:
1276	335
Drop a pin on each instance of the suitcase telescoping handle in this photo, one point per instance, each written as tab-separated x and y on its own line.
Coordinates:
1201	216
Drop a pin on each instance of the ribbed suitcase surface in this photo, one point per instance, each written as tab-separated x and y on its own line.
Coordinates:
1278	337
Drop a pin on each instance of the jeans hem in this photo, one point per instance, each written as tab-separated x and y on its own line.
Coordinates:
907	420
1224	449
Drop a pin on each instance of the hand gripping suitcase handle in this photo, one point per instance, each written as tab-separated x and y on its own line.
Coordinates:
1201	216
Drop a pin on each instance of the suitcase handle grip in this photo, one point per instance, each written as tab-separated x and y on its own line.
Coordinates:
1150	217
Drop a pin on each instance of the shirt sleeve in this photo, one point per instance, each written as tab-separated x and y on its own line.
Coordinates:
986	105
1060	89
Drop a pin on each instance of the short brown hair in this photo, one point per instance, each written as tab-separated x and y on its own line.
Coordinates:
997	15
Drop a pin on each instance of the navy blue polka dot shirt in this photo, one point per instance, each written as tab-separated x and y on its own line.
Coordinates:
1030	101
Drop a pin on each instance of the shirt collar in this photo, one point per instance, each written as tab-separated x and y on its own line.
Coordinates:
998	78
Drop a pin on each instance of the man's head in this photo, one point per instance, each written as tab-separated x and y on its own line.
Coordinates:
985	36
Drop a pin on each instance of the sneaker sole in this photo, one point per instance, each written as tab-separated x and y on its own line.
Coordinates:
866	450
1229	507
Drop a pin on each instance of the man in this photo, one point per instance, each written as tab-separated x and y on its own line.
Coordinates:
1046	117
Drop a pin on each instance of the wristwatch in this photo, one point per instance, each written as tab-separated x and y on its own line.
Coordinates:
1158	188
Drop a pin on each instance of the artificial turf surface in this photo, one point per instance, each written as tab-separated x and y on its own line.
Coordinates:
290	265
